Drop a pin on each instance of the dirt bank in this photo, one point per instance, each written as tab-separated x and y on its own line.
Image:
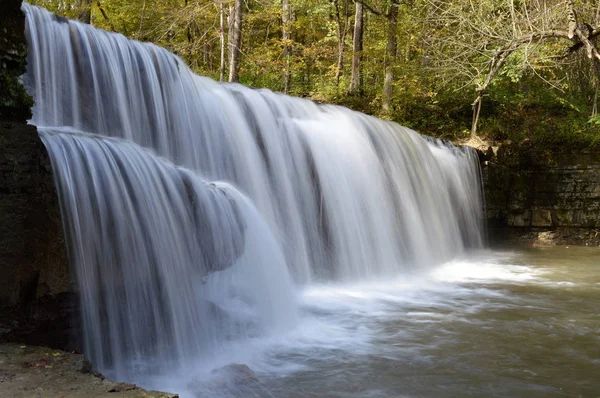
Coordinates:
40	372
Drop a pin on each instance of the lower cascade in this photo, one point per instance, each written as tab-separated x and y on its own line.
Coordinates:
196	211
146	237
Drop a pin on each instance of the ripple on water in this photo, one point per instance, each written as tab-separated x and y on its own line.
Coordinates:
492	325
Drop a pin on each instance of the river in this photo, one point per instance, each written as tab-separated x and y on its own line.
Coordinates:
520	322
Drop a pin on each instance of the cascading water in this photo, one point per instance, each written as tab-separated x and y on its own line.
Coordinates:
144	235
328	195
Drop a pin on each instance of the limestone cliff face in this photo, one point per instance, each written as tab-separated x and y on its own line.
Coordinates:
527	191
33	262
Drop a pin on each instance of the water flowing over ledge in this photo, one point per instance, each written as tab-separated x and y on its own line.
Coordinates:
174	266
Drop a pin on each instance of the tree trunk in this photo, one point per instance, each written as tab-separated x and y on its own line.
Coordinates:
286	19
596	68
511	4
229	33
235	35
357	47
391	49
188	30
222	40
107	19
85	11
341	34
206	50
595	104
476	110
141	29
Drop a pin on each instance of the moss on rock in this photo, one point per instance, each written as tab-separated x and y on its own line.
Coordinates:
15	103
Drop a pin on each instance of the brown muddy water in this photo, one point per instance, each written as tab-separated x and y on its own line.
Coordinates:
513	323
504	324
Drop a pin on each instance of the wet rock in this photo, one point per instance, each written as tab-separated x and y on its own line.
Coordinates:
98	375
231	381
551	237
237	373
83	366
6	376
547	238
121	387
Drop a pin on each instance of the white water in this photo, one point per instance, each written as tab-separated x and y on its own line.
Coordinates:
143	235
484	325
306	195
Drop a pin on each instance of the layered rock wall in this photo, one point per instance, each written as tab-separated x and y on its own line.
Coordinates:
542	198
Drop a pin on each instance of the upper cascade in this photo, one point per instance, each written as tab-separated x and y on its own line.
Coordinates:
346	195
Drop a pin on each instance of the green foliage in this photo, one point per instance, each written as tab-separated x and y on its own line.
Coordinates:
445	50
14	100
594	120
546	119
15	95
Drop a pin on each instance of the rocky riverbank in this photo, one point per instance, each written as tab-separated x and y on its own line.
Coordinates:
543	237
40	372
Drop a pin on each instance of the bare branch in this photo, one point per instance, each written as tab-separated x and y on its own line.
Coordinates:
112	27
370	7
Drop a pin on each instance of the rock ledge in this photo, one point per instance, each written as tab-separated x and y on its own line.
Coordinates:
32	372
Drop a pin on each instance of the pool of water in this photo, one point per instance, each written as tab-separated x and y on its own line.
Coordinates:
497	323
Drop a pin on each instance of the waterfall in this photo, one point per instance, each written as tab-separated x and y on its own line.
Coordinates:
183	198
145	235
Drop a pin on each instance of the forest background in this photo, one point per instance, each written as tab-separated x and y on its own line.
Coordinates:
526	71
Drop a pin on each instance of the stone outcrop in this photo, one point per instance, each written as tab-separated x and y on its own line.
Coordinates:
33	263
233	380
542	198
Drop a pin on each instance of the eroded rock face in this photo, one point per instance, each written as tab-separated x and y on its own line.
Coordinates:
32	253
33	261
528	191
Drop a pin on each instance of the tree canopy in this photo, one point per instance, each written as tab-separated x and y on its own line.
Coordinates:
506	69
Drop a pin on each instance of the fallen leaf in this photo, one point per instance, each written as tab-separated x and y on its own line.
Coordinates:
42	363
